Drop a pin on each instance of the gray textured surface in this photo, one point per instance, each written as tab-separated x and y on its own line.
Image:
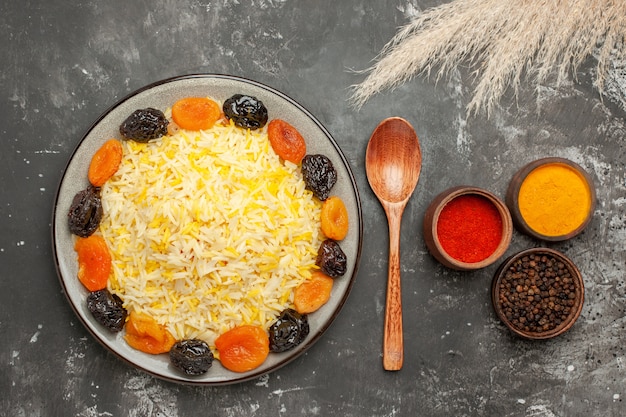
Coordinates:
63	64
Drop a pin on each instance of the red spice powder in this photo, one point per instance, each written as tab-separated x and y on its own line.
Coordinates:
469	228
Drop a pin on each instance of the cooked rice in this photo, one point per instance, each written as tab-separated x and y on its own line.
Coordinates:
209	230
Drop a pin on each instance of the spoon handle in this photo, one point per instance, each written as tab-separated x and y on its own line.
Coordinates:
393	345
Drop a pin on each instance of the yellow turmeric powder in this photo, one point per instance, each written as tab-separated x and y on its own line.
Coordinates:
554	199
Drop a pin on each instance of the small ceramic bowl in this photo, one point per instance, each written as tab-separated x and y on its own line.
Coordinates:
533	303
436	244
550	220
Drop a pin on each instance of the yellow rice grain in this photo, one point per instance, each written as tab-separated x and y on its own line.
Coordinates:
209	230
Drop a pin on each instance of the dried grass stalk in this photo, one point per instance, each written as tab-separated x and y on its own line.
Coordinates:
502	42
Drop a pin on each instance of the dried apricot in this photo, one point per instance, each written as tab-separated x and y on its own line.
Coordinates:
145	334
94	262
196	113
105	162
334	218
286	141
312	293
243	348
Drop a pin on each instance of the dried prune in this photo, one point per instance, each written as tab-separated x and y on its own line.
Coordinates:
144	125
319	175
331	259
192	356
107	309
85	212
246	111
288	331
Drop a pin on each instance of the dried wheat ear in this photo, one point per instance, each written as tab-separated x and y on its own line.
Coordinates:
503	42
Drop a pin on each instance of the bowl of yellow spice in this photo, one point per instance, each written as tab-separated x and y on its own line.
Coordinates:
552	199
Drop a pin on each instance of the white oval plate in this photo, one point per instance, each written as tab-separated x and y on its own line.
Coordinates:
162	95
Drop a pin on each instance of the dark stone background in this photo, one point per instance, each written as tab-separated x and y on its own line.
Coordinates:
64	63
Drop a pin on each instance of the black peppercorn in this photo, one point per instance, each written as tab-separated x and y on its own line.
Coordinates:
537	293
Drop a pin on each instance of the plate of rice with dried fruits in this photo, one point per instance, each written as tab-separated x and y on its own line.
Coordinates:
207	229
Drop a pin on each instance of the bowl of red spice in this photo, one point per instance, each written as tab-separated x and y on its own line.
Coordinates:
538	293
467	228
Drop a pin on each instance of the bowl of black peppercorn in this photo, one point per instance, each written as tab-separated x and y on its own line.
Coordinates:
538	293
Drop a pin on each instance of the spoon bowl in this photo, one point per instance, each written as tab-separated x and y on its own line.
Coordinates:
393	161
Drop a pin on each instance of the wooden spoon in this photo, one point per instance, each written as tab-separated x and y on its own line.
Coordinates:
393	162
